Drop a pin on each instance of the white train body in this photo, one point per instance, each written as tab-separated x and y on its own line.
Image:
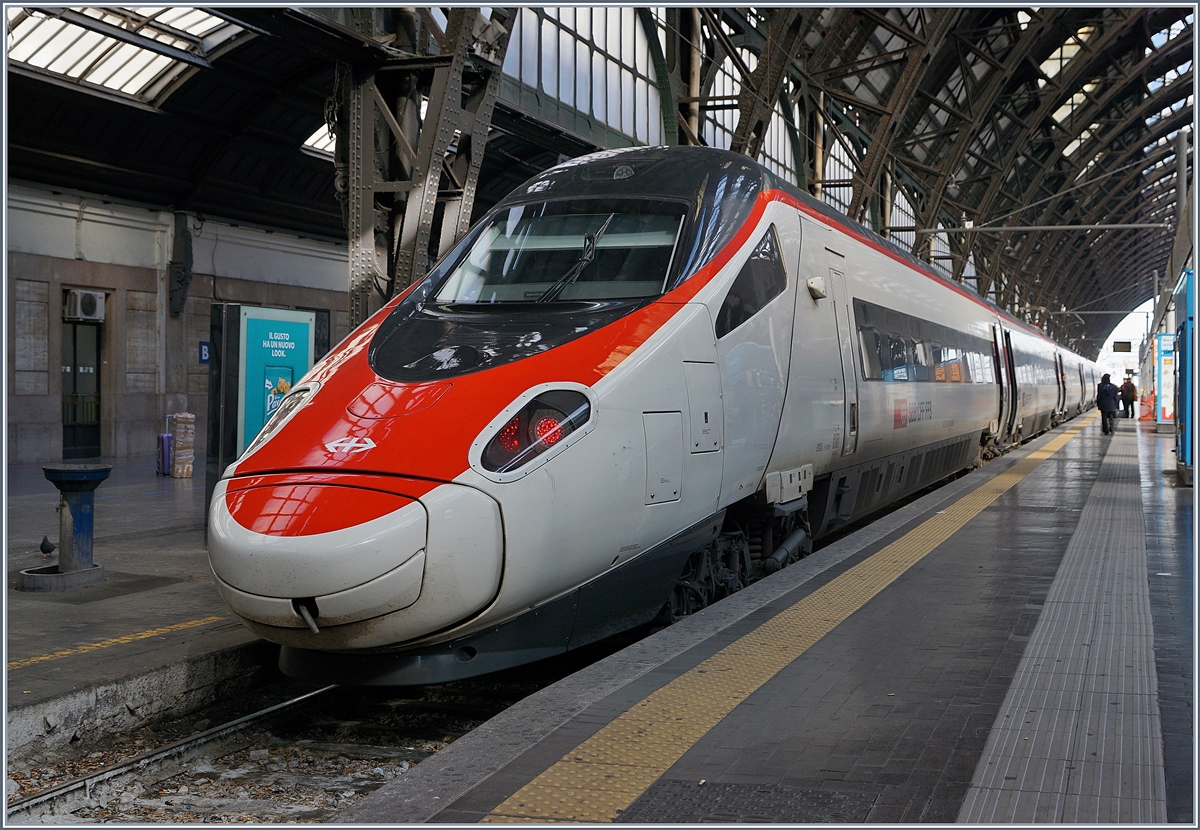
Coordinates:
791	374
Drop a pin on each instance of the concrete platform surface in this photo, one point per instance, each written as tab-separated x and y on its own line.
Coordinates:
153	637
877	680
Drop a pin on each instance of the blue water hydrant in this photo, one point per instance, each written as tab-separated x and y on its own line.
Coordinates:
76	485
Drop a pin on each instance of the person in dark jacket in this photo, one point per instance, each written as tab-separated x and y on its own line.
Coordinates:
1128	396
1107	395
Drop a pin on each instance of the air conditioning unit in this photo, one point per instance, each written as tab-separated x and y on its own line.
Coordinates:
84	305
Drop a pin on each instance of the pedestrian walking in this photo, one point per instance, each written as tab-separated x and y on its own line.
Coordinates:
1128	396
1107	395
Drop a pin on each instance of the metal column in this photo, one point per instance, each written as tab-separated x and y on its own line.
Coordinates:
406	173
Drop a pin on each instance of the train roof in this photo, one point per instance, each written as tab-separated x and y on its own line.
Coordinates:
679	172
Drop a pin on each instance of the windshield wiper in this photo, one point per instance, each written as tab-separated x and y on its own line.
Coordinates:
589	253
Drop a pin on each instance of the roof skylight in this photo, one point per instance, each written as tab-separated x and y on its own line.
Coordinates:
134	50
1063	55
320	141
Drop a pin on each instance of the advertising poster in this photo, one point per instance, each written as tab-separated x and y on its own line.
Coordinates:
1165	357
276	349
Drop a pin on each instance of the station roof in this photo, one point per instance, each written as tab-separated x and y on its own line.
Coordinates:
1032	118
1013	117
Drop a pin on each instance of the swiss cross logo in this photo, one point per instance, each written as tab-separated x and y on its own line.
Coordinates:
350	445
907	412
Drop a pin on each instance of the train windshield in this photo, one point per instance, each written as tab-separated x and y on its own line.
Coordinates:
570	250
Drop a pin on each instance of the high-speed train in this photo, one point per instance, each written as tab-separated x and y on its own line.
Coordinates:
643	380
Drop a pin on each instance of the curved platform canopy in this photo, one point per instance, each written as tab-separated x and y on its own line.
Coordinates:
172	106
1043	120
936	126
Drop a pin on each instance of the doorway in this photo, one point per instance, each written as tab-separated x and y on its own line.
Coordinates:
81	390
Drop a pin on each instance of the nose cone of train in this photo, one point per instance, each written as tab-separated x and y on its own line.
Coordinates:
356	553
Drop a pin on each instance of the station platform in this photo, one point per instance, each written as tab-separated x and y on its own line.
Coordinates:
1015	647
153	638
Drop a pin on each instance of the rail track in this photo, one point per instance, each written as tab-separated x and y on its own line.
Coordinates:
300	760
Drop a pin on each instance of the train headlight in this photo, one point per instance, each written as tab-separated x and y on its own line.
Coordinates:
551	420
287	408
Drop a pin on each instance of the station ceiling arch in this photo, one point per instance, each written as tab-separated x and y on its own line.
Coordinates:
933	125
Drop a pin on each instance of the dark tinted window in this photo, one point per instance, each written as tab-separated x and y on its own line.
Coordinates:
897	359
895	346
567	250
761	279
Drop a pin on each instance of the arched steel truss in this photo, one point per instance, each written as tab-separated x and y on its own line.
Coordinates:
922	122
1000	117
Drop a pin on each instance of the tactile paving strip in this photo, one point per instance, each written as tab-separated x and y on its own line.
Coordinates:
604	774
1078	738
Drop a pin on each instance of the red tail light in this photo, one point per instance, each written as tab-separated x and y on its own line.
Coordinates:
541	424
510	436
547	428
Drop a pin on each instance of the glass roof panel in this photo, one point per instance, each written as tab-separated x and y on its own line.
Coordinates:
1063	55
117	62
154	68
66	42
37	32
192	21
74	59
320	141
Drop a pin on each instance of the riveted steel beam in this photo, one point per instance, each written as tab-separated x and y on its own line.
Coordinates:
410	175
940	24
760	91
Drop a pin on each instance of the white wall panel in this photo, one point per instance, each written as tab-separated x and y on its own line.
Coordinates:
250	254
69	226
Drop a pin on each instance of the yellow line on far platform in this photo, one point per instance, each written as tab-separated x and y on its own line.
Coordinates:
115	641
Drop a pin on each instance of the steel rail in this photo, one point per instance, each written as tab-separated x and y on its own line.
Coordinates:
145	762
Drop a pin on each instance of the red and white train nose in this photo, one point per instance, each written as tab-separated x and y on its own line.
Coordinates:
368	563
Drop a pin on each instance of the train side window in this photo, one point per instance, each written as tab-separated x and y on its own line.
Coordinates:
937	354
871	347
922	359
870	342
897	359
761	279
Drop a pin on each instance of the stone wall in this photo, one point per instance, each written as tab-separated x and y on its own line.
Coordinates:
150	361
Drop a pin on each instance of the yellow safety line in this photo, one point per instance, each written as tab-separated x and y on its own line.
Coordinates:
128	638
604	774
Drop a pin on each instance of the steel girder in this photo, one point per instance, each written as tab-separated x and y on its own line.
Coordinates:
760	92
1120	140
407	174
998	116
904	92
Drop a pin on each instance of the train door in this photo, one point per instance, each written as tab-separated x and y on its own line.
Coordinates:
1002	384
1010	426
812	425
1061	378
1006	377
754	339
844	315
